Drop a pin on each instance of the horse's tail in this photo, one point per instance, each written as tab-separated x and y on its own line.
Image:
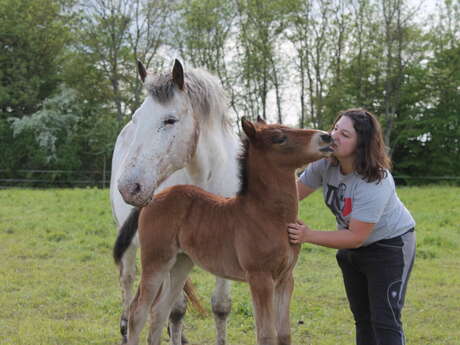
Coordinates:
126	235
191	296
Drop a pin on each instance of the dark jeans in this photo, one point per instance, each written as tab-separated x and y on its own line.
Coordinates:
375	279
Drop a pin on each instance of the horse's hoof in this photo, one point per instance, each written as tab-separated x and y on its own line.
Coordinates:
124	327
184	339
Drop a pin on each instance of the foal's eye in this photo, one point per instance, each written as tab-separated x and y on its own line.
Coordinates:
279	139
169	121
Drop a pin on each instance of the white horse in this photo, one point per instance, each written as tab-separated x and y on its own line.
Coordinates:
181	134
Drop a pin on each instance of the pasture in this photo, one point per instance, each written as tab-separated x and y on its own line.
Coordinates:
59	285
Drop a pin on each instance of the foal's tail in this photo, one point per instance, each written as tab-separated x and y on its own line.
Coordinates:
126	235
191	295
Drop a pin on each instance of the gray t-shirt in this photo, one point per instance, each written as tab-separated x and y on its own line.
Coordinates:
350	196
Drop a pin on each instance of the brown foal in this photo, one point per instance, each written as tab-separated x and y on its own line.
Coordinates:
242	238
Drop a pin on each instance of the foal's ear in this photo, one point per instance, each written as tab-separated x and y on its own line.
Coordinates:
261	120
142	71
178	74
248	127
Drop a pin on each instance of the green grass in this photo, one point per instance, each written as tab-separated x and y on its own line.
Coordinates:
59	286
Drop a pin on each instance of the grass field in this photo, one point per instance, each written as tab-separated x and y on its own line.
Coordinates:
59	286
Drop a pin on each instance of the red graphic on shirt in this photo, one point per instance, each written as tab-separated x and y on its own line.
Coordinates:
347	207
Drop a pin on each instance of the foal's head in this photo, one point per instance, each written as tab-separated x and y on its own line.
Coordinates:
285	146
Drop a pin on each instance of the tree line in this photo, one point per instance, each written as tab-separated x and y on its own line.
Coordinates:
69	82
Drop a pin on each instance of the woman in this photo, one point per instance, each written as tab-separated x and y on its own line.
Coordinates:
375	232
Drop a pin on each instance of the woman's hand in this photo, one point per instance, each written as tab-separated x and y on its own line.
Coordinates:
353	237
298	232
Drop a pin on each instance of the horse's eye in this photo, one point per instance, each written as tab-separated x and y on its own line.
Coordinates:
169	121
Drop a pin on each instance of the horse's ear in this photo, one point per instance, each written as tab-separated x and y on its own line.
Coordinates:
261	120
142	71
178	74
248	128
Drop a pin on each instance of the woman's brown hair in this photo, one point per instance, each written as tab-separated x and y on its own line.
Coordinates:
371	160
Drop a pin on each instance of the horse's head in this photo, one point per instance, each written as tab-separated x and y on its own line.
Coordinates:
165	138
287	146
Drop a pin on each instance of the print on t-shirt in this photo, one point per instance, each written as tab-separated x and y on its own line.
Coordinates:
340	206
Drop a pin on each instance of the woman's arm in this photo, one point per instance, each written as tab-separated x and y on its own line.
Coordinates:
353	237
303	190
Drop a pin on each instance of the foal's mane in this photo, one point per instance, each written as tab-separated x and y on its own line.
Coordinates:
243	166
204	91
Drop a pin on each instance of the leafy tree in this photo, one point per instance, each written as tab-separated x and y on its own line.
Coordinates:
205	36
261	24
103	34
33	35
68	80
203	32
114	34
376	73
58	114
432	148
19	151
319	33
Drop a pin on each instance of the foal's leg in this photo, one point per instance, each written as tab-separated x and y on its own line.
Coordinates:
283	293
262	291
162	308
221	306
150	287
127	277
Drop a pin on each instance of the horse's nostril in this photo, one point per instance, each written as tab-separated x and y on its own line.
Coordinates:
136	188
326	138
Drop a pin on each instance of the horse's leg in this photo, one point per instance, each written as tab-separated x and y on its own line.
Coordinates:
221	306
127	277
162	308
283	293
150	287
262	290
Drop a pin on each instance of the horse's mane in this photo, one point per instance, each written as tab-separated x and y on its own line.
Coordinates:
204	91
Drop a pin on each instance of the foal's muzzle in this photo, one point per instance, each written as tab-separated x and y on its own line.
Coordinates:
326	139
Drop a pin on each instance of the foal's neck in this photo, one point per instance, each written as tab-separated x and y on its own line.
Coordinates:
273	187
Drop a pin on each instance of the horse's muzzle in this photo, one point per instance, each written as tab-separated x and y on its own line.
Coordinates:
133	193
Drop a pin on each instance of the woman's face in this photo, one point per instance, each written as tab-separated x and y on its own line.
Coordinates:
345	138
